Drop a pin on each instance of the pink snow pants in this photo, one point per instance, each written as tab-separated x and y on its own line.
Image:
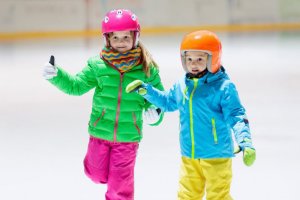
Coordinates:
112	163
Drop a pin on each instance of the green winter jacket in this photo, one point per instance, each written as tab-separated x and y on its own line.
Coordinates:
116	115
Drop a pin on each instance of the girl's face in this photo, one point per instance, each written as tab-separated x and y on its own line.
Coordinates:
196	61
121	41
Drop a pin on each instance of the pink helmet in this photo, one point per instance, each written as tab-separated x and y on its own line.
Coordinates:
120	20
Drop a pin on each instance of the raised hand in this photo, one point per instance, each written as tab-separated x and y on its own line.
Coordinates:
49	69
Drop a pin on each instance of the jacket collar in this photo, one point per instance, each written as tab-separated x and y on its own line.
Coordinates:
209	77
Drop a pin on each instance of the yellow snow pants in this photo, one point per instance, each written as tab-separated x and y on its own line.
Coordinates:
198	175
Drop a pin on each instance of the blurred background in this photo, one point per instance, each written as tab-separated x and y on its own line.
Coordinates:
43	132
36	18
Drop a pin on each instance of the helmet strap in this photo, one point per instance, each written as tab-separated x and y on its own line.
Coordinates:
136	39
105	40
209	63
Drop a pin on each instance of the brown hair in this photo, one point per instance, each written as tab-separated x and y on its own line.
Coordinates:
147	60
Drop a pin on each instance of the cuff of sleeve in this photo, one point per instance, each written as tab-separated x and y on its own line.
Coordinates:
161	115
246	143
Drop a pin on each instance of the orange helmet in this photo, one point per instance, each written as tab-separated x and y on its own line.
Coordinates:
204	41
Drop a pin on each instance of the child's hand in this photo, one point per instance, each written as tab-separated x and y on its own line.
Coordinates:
137	86
249	156
249	153
49	69
151	115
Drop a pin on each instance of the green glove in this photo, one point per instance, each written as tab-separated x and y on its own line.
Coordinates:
249	153
137	86
249	156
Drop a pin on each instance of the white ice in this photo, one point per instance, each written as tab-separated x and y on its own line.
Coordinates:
43	132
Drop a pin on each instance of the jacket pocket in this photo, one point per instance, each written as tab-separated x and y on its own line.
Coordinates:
135	124
214	130
99	118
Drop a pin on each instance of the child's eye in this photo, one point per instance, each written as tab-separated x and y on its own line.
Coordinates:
200	59
189	59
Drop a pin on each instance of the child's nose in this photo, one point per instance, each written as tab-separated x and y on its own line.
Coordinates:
121	40
194	62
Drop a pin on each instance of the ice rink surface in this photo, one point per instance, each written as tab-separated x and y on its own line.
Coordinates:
43	132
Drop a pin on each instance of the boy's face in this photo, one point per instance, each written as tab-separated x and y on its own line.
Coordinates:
121	41
196	61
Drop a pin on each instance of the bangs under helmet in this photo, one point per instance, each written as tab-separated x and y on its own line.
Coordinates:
204	41
120	20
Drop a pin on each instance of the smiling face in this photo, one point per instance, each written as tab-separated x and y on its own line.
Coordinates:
196	61
121	41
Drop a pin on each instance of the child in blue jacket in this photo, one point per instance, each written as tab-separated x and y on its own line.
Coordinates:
210	109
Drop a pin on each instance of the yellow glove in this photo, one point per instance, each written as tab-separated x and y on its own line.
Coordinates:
249	153
137	86
249	156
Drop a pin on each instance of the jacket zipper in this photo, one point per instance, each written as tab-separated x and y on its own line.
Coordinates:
214	130
191	117
118	107
101	116
135	124
119	98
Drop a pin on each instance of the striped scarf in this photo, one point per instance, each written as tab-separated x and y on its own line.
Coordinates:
122	61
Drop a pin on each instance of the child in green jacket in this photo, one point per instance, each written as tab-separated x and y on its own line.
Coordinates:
115	124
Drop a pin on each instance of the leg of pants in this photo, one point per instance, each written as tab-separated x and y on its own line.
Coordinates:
192	180
196	174
96	161
120	184
218	173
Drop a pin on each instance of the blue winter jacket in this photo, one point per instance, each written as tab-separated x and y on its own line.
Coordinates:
209	109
